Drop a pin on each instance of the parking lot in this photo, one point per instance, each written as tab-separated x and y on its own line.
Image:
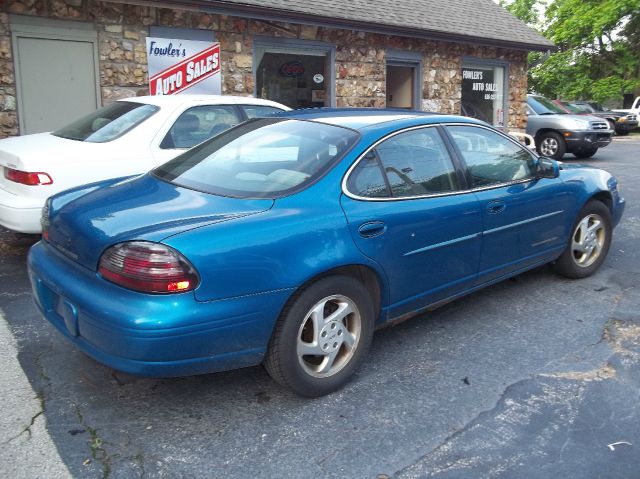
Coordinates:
537	376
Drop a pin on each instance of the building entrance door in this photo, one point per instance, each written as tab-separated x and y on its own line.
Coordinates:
400	86
404	79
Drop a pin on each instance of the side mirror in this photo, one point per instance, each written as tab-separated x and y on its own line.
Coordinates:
547	168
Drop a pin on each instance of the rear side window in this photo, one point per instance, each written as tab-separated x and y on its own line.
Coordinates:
367	179
410	164
198	124
257	111
490	157
107	123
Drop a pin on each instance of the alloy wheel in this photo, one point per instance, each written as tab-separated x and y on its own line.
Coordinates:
549	147
588	240
329	336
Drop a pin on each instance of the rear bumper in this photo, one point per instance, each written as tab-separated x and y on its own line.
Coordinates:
581	140
19	214
150	335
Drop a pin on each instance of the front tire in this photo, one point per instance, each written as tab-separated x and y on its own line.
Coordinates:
551	145
589	243
322	336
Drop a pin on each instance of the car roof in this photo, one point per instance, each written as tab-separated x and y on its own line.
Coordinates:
362	118
175	100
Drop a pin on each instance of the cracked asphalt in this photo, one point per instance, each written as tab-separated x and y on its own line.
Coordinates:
536	377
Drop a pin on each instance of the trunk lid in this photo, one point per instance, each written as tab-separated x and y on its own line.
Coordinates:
40	153
141	208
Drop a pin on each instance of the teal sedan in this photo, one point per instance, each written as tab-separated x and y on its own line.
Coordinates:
288	240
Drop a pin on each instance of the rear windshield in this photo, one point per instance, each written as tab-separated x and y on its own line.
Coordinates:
107	123
262	158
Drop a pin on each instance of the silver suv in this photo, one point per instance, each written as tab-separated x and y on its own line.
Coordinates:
557	132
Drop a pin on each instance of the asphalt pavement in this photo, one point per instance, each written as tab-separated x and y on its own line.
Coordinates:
537	377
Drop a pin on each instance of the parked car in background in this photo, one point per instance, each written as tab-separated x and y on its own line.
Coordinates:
128	137
634	110
620	122
557	132
288	240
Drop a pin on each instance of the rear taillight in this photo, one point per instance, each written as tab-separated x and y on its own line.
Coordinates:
44	219
27	178
148	267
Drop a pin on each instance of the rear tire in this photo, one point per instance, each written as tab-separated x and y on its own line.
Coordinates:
589	243
551	145
322	336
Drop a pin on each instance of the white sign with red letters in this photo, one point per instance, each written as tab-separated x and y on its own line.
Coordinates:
183	66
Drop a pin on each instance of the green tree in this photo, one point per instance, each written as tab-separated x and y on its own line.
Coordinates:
597	57
525	10
598	47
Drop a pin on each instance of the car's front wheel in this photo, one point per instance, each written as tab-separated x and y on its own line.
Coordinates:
552	145
322	336
589	243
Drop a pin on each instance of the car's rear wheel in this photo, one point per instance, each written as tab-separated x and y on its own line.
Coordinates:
322	336
589	243
552	145
586	153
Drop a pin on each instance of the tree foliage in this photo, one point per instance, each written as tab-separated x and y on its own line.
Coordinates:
525	10
598	47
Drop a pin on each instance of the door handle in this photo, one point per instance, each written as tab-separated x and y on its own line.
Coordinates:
371	229
495	207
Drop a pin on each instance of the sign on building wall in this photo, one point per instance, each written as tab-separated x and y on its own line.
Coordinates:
483	93
183	66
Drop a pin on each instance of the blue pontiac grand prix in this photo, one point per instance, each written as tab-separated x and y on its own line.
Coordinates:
287	240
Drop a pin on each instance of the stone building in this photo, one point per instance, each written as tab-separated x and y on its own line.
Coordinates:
63	58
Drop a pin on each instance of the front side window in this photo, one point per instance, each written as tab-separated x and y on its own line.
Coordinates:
107	123
262	158
198	124
490	157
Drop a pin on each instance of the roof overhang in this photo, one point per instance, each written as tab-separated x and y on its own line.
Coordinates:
289	16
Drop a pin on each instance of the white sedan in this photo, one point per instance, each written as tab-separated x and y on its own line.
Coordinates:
128	137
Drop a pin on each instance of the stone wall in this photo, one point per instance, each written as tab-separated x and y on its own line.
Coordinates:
360	56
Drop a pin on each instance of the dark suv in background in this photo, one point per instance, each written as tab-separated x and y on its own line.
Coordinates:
622	123
556	132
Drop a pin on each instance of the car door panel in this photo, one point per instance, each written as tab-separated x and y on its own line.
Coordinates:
528	227
429	248
410	218
523	214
